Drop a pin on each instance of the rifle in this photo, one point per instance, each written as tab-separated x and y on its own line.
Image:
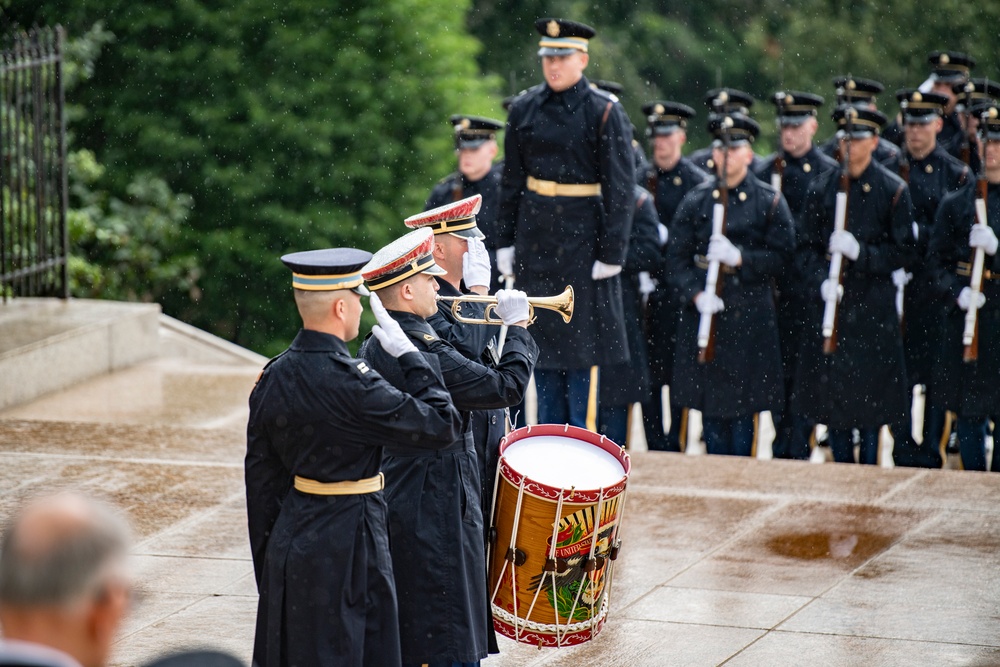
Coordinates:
966	152
713	279
839	224
970	336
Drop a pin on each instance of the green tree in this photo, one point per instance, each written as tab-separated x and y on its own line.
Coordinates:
292	125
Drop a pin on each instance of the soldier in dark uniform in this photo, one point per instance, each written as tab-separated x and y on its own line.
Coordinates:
624	384
758	241
862	384
565	217
435	517
859	93
970	94
317	514
722	101
669	177
930	173
476	147
971	389
459	250
790	171
948	70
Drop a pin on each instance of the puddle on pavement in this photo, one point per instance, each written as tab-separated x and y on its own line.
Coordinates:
856	547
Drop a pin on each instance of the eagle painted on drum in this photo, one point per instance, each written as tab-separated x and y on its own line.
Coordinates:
573	592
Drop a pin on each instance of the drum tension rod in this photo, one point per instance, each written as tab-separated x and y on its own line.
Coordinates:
615	549
492	536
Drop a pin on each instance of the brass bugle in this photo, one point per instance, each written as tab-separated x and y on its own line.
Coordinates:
561	303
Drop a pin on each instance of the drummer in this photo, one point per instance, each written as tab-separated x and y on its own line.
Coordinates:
435	517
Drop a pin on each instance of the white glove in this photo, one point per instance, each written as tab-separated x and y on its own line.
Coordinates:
505	260
965	298
722	250
512	306
831	289
983	237
647	285
388	331
900	278
845	243
663	233
476	269
708	303
602	271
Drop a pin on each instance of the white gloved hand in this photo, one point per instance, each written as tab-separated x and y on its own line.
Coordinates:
831	289
647	284
602	271
663	233
722	250
505	260
476	269
900	278
845	243
512	306
388	331
965	298
983	237
708	303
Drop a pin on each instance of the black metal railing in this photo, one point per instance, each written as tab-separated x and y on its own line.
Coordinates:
33	189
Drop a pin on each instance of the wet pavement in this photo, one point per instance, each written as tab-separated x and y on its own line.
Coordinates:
724	561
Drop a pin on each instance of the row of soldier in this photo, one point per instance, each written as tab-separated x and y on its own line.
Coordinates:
935	149
368	479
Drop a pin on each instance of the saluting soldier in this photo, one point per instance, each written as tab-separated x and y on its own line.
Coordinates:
669	177
971	389
565	217
862	94
435	516
317	514
476	147
758	241
862	384
722	101
790	170
931	173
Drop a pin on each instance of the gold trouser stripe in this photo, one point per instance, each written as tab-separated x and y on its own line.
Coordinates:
592	399
949	418
346	488
553	189
756	426
682	432
812	438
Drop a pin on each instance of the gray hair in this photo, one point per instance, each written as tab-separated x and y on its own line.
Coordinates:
59	550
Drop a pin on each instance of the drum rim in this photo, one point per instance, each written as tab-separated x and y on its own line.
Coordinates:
565	430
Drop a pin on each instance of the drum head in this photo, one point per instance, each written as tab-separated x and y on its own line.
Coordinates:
563	462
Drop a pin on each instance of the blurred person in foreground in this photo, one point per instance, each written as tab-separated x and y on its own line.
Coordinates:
64	585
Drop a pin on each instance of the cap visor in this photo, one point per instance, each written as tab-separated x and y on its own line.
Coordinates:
434	270
549	51
362	290
920	120
664	130
470	233
793	120
470	143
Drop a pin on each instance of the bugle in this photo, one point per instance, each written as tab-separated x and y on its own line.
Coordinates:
561	303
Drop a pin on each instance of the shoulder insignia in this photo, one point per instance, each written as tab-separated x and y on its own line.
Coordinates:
363	367
428	336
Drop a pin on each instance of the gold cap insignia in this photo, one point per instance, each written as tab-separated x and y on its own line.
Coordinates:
465	123
992	113
552	28
789	100
658	109
851	85
944	59
917	97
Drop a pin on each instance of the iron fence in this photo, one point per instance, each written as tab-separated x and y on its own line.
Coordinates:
33	188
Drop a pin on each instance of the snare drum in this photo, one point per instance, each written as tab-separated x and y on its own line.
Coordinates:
558	504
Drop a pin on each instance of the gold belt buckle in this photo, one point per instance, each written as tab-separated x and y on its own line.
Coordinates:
546	188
